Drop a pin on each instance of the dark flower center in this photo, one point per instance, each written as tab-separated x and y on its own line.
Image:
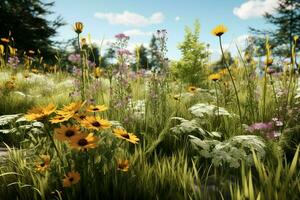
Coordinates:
43	164
82	142
71	179
96	124
95	109
69	133
125	135
82	116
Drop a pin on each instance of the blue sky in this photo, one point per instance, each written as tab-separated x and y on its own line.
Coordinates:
140	18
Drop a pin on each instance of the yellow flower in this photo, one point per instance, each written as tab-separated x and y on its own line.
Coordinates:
95	123
99	108
219	30
192	89
269	62
66	133
59	119
83	141
70	109
71	178
44	165
12	51
13	78
214	77
79	117
10	85
40	113
123	165
176	97
98	72
78	27
5	40
130	137
1	49
35	71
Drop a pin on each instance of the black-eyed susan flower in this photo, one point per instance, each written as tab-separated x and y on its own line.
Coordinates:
80	116
192	89
71	109
98	72
78	27
95	123
269	62
44	165
10	85
66	133
84	141
97	108
214	77
123	134
59	119
40	113
71	178
123	165
219	30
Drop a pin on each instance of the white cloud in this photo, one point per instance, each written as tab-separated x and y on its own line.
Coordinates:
130	18
255	8
177	18
137	32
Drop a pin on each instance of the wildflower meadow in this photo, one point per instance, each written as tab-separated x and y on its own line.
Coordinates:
98	120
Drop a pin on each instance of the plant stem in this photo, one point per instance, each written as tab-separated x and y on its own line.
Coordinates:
233	83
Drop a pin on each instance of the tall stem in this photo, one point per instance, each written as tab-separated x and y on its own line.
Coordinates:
233	83
82	71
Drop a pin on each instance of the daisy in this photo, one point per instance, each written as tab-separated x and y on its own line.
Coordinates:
122	133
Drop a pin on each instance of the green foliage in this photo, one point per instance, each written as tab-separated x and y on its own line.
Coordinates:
191	68
26	22
232	151
287	25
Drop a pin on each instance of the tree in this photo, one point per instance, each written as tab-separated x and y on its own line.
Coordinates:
286	21
141	54
154	52
191	68
25	20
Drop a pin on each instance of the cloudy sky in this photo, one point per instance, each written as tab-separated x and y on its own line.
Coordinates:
140	18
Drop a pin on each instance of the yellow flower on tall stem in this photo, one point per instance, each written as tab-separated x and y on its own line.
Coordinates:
98	108
123	134
219	30
40	113
123	165
71	178
66	133
192	89
214	77
78	27
83	141
95	123
44	165
98	72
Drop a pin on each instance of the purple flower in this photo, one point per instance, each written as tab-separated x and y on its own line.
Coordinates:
123	52
74	58
122	36
13	61
260	126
